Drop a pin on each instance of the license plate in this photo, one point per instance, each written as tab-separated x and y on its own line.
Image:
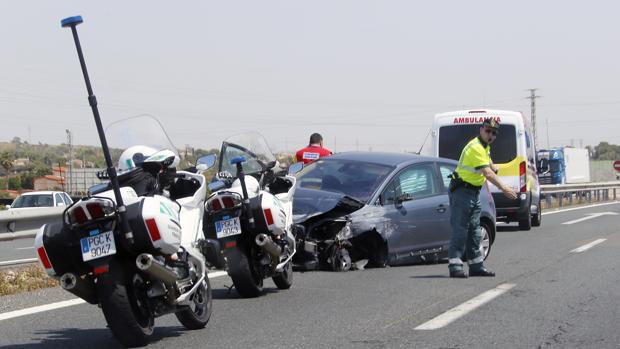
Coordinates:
227	227
98	245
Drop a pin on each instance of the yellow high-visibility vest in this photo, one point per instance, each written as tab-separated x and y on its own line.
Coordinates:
474	157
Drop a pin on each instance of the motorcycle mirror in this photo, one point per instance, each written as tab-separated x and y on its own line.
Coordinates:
237	160
296	167
215	186
206	162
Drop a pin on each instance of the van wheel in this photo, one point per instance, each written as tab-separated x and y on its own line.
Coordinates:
537	218
525	223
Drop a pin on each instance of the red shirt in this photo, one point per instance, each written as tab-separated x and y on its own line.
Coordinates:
311	153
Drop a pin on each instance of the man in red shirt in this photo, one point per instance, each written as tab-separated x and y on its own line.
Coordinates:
313	151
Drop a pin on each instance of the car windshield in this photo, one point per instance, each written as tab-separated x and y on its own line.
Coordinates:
353	178
143	130
250	145
452	140
39	200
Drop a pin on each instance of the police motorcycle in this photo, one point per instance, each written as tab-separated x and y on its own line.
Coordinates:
249	215
133	245
160	269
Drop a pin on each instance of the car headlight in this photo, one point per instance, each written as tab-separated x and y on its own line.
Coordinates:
345	233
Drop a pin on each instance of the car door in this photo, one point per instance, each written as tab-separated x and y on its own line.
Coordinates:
416	219
445	169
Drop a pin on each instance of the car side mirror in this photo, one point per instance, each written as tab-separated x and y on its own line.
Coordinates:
206	162
296	167
398	201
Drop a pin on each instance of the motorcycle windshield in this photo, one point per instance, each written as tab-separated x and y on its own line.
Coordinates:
143	133
253	147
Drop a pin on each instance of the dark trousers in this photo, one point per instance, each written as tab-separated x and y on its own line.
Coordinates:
466	233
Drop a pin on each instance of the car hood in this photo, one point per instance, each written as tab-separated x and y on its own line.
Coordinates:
309	203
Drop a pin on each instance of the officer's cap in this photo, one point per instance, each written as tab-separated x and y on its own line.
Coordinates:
490	122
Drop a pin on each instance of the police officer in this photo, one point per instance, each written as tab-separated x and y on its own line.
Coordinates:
313	151
475	166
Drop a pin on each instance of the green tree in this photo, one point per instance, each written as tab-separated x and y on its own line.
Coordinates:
6	161
15	183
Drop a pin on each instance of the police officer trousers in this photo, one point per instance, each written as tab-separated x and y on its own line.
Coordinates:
466	233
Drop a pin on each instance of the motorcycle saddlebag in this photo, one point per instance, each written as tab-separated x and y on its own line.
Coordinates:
62	248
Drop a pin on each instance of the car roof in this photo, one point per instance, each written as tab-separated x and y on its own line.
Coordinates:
42	192
384	158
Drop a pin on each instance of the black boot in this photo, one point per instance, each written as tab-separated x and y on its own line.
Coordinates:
481	272
458	274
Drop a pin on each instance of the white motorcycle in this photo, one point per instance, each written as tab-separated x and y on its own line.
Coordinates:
249	216
155	267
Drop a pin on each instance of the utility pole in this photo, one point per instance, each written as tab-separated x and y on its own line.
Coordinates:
70	143
532	97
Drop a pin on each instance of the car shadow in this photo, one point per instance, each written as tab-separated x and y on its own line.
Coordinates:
504	228
84	338
231	293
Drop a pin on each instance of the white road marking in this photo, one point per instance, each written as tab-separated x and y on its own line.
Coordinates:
591	216
40	308
25	248
465	308
18	261
581	207
67	303
588	246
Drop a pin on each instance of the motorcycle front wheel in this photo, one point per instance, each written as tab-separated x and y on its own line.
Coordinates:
284	279
243	273
123	305
199	312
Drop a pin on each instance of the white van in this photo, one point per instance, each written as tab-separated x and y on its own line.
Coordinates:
513	151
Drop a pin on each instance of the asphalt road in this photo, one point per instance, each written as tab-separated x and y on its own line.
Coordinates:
548	294
17	249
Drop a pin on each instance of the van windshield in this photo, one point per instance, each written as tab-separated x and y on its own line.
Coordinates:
452	140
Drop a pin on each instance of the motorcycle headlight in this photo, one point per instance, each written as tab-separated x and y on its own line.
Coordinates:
345	233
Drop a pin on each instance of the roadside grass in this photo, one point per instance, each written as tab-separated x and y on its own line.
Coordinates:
23	279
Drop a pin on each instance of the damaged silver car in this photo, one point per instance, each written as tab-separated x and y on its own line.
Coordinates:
366	209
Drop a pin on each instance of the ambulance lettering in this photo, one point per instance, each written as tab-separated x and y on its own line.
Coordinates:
473	119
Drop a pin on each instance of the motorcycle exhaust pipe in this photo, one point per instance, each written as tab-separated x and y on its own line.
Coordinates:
156	269
83	288
264	241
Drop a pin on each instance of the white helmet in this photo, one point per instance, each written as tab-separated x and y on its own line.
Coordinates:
166	157
134	156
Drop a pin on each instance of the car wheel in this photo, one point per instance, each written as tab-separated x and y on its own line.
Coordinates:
487	240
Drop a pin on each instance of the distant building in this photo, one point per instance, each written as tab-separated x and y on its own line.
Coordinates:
49	182
21	162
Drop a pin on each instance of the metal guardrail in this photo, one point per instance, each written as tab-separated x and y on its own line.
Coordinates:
23	223
583	192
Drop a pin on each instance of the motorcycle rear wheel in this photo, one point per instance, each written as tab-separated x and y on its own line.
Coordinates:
247	281
199	312
128	317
